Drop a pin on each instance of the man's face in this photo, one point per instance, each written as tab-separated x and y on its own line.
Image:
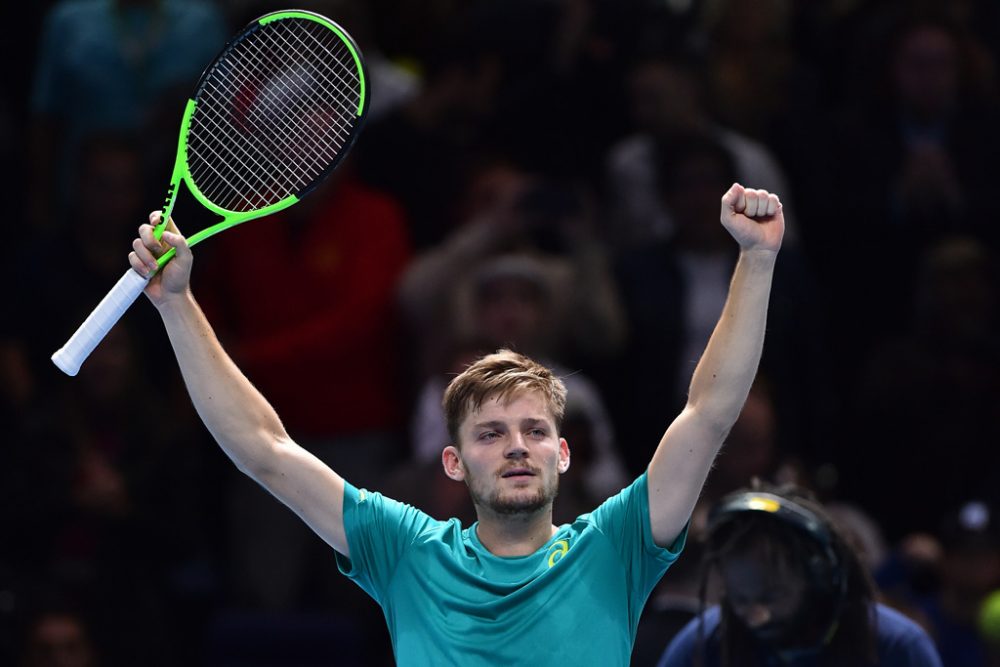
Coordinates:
766	592
510	456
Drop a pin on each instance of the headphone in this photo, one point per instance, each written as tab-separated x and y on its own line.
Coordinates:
827	570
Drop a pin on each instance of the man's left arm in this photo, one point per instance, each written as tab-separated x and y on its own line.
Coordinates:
727	368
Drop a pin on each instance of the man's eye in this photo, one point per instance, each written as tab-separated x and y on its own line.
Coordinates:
489	435
537	432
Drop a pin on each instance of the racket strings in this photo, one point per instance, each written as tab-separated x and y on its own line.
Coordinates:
273	115
264	162
267	160
352	88
260	66
303	86
306	93
287	110
249	118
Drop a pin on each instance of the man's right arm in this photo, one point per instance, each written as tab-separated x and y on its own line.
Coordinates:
235	413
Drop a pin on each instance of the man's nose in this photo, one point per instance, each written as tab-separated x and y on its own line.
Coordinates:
516	447
756	615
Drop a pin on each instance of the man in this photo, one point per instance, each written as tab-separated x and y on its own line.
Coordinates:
512	588
794	593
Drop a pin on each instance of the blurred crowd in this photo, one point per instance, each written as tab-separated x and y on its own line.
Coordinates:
538	174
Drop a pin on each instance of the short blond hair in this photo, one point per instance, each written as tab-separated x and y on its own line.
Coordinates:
503	375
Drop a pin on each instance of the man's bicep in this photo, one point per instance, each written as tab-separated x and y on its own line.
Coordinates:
678	471
312	490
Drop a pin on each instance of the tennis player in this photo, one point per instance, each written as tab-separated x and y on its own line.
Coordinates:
512	588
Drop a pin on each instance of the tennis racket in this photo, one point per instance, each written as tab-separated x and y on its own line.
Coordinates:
271	117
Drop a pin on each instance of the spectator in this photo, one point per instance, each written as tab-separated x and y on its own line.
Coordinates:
59	638
666	98
104	66
915	150
937	383
794	592
511	211
970	571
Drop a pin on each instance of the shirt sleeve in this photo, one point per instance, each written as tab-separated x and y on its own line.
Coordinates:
920	653
379	531
624	520
905	642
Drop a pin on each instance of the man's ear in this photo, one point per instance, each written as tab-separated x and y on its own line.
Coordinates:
451	459
563	455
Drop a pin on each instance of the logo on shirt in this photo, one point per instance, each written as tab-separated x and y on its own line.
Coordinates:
557	551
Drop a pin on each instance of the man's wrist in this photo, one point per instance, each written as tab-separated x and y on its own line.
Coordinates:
763	257
172	304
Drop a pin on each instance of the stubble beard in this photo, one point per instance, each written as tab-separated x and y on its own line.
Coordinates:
511	504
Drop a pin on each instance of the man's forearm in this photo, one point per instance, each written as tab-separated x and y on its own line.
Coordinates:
727	369
237	415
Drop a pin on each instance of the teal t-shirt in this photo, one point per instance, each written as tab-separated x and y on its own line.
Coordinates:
449	601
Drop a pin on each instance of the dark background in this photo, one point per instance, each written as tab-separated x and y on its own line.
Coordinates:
879	388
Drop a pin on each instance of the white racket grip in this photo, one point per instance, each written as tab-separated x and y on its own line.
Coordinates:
71	356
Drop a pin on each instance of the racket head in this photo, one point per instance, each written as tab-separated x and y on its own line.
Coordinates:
274	114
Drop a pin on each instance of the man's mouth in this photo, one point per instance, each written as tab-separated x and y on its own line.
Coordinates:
518	472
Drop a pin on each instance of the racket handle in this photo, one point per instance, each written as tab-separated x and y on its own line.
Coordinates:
71	356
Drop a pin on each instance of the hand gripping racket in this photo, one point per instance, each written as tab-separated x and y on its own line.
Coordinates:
270	118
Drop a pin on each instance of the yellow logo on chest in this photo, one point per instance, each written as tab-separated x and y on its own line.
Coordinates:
557	551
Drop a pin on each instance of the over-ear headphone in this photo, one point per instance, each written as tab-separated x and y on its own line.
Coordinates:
827	570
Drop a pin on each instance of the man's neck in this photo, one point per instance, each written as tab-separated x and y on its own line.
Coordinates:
514	535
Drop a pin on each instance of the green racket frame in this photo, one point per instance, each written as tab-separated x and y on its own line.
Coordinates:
71	356
182	170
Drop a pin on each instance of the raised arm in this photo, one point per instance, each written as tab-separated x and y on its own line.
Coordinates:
237	415
727	368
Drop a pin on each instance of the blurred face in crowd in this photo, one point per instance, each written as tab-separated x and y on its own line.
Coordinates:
493	189
510	455
926	72
110	184
510	311
693	200
59	641
664	99
109	376
108	195
766	591
956	296
970	574
750	451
